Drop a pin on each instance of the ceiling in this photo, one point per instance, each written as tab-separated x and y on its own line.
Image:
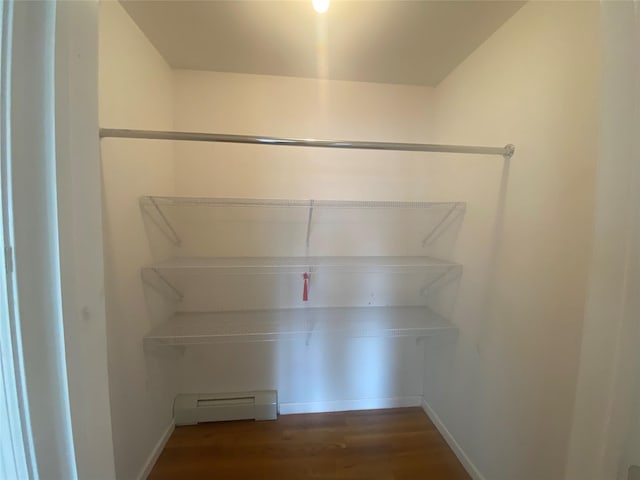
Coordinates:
393	41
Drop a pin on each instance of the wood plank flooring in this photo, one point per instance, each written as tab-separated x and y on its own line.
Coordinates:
391	444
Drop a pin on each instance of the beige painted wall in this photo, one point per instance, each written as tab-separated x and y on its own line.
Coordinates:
80	237
135	92
321	375
506	390
299	108
605	438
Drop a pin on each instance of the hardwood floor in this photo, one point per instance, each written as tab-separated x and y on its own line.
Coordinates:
398	444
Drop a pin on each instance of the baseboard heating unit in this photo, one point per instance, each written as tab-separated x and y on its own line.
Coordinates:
194	408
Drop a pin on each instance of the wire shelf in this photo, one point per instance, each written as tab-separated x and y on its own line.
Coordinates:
255	202
297	324
242	283
197	226
299	264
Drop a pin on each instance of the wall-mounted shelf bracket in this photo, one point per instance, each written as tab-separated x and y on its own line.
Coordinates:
160	220
309	220
155	280
441	280
455	209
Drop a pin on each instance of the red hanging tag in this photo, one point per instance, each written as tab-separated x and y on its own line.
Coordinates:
305	289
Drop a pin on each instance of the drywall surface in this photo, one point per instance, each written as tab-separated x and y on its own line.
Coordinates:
505	391
605	438
79	190
315	374
299	108
135	92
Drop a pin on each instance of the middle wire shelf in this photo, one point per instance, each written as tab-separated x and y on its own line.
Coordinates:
231	283
276	265
297	324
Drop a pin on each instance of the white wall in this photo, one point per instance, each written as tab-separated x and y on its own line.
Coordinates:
505	388
52	220
505	391
135	92
605	438
81	241
321	375
299	108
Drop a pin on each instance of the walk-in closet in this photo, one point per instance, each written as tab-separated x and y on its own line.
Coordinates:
384	212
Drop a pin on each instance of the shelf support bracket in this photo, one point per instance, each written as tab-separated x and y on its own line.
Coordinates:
432	234
170	231
309	219
424	290
177	294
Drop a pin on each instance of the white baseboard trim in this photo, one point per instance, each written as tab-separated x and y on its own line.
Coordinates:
157	450
346	405
468	465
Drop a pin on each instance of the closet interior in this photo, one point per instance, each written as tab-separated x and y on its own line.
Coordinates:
382	245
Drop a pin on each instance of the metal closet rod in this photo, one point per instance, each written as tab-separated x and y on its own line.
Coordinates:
506	151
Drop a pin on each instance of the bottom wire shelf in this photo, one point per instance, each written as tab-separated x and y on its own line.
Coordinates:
297	323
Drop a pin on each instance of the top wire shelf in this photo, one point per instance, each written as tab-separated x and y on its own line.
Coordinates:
286	203
235	227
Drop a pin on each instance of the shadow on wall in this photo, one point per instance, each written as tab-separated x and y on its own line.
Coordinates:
443	355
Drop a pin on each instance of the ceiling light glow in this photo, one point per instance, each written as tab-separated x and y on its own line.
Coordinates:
321	6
